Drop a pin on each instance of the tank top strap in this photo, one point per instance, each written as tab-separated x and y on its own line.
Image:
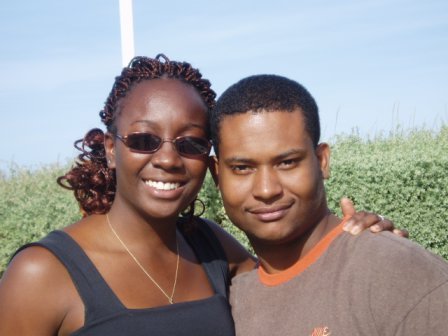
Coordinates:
98	298
210	253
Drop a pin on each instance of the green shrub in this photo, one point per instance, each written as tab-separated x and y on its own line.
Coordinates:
31	205
403	176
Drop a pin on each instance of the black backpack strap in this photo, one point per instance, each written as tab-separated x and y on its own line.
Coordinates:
98	298
210	253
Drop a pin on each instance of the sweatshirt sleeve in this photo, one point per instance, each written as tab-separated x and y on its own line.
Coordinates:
429	316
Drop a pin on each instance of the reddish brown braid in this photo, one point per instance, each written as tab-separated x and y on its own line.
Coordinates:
92	182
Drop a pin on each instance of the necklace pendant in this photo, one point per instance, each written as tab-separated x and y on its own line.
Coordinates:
170	299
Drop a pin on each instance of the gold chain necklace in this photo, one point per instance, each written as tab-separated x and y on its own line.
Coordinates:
169	297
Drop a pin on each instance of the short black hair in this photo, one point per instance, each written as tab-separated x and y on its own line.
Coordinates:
260	93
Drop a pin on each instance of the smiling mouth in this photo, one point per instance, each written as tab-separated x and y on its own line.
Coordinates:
162	185
269	209
272	213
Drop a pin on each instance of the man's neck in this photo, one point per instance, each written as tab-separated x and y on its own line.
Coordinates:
275	258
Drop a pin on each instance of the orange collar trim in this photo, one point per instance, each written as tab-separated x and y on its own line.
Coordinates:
303	263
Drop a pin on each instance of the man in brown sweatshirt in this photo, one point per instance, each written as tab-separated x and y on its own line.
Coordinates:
312	278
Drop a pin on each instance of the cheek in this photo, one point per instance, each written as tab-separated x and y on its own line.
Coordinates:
234	190
307	186
197	168
127	163
196	171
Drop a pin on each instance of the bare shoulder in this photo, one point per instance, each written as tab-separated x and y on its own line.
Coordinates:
34	293
240	260
35	262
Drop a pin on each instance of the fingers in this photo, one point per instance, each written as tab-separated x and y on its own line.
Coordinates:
387	225
382	224
362	220
347	207
401	232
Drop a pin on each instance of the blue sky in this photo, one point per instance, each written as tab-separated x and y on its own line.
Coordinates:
371	65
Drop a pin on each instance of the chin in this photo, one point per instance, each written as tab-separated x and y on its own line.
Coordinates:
269	238
276	235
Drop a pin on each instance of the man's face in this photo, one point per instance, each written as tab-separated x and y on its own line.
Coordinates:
271	176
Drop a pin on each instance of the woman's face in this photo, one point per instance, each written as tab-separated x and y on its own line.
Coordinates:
162	184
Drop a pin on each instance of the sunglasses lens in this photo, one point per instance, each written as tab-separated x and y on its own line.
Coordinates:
150	143
143	142
192	146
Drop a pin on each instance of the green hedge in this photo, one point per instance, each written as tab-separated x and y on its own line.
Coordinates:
31	205
403	176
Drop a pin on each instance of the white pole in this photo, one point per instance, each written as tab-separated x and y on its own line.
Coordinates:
127	31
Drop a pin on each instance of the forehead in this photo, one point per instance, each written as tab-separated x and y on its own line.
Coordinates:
259	132
162	99
158	85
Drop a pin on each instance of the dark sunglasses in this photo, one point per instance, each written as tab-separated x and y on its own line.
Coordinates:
147	143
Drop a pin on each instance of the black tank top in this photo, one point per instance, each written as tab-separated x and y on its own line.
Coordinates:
106	315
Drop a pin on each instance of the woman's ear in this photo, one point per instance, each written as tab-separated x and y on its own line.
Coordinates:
109	146
213	168
323	155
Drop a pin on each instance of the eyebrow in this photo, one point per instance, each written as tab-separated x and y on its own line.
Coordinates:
293	151
146	122
280	157
151	123
237	159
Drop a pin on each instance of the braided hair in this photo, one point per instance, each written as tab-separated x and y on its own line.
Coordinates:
92	182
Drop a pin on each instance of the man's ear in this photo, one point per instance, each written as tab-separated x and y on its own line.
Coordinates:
323	155
109	146
213	167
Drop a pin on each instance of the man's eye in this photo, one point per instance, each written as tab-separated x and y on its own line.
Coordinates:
289	163
240	169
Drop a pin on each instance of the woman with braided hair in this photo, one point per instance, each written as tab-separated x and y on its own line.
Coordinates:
133	265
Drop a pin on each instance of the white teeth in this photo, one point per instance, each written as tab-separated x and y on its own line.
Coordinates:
162	186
